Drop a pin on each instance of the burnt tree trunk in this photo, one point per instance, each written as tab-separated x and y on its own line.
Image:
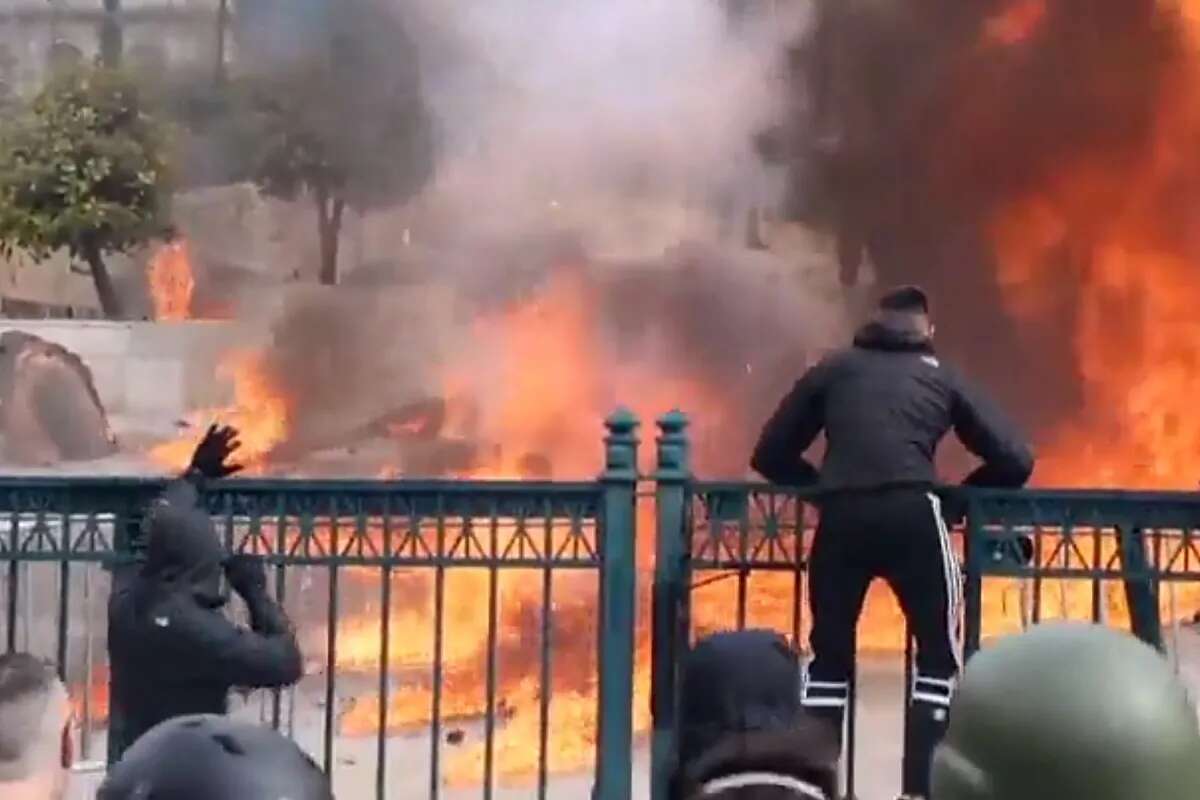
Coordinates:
329	229
110	303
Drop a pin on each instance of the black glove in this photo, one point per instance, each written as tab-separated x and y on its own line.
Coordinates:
247	575
218	444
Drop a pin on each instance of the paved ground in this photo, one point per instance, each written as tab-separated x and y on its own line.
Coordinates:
878	755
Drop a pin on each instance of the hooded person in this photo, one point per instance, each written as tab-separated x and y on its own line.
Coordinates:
885	404
173	651
209	757
742	732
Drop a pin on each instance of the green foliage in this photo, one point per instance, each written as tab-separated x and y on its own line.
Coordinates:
82	168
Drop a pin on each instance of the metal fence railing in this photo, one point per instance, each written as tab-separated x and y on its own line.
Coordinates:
1103	556
418	605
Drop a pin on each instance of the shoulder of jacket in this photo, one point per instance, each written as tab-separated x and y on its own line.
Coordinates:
836	358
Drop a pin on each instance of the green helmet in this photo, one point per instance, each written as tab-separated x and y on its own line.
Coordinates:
1069	712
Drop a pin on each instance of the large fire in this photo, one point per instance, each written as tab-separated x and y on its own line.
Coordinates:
1137	346
538	411
1122	233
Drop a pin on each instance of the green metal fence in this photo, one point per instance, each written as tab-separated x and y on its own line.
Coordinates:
337	548
1137	543
329	538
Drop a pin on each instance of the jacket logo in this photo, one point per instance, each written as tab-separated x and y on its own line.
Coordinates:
162	622
931	361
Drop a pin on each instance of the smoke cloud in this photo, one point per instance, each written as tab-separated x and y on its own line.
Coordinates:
595	169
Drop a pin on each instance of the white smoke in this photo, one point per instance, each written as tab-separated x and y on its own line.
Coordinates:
626	121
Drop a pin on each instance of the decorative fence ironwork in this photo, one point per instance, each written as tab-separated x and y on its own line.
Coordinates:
332	528
61	540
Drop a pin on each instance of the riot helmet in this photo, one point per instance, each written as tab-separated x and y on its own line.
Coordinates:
204	757
1069	711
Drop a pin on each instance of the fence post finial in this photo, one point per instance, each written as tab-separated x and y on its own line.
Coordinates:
674	447
620	446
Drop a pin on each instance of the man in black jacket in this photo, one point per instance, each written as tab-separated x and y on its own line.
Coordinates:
884	405
173	651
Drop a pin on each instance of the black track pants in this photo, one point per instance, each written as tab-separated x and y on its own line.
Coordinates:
897	535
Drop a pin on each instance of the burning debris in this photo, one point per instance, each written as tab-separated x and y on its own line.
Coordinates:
171	282
49	409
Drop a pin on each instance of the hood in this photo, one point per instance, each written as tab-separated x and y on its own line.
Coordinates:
895	333
183	552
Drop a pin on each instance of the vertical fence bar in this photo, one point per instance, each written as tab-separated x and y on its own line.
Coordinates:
672	474
547	643
64	615
973	584
799	575
439	608
85	730
385	652
618	589
489	720
14	578
331	640
280	598
1140	587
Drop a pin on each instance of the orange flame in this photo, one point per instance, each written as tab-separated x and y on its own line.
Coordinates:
171	282
97	698
1105	228
261	412
1136	337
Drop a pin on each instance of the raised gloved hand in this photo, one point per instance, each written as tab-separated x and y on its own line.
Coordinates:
214	450
246	574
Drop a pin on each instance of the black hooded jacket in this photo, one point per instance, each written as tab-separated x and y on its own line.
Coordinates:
885	404
172	649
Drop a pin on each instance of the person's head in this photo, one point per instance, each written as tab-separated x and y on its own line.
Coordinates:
906	308
183	549
204	757
35	743
799	763
1067	711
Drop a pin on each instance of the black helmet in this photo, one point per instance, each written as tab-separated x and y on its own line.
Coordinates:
205	757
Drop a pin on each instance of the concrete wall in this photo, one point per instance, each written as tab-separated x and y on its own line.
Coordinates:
148	374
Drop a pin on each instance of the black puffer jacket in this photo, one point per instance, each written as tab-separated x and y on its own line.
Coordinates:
885	404
172	649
